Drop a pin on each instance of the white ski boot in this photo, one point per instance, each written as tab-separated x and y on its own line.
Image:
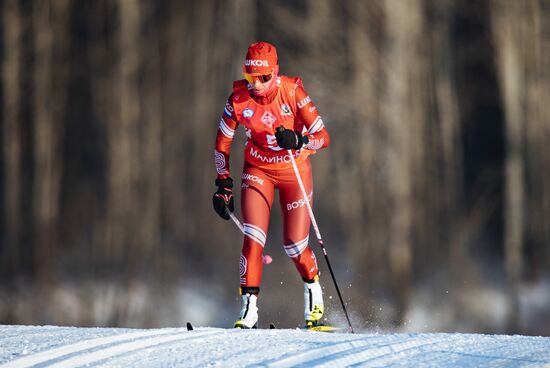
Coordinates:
249	313
313	303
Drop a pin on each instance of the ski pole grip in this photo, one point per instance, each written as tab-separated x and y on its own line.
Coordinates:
280	128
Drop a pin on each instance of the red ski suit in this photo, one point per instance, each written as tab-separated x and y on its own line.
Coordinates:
268	166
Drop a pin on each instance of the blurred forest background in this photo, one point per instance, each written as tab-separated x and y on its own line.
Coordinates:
433	198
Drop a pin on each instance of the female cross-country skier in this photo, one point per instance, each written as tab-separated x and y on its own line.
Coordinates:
277	114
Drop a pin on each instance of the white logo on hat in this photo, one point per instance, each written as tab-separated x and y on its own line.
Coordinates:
255	62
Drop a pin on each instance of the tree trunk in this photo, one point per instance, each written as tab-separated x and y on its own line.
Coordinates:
447	187
401	112
123	131
150	162
11	138
509	30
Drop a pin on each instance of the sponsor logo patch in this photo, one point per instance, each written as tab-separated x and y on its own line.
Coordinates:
242	269
228	111
219	160
253	178
315	144
279	159
304	102
285	110
299	203
248	112
256	62
268	118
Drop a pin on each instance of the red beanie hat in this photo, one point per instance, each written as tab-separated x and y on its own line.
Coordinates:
261	58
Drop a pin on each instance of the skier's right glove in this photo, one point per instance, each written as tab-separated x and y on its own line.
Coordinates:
223	198
288	139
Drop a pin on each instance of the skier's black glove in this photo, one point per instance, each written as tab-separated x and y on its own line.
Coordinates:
289	139
223	198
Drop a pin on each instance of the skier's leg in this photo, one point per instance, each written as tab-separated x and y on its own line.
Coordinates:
257	192
296	225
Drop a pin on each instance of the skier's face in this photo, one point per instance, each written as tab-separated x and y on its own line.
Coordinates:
258	82
258	86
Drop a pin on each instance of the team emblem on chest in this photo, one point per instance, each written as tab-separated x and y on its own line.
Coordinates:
285	110
268	118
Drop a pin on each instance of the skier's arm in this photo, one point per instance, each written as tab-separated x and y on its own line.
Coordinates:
226	130
317	135
223	197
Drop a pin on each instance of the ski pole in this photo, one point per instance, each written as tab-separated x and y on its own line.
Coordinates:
265	259
318	234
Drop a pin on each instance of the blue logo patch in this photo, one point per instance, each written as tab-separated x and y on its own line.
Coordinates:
248	112
228	111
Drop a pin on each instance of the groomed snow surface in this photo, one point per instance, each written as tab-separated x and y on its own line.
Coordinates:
49	346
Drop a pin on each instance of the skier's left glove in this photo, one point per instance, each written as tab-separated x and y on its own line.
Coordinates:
289	139
223	198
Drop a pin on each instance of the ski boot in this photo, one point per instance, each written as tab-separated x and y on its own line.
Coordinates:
313	303
249	313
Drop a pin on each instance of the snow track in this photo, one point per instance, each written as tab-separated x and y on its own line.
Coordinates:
26	346
93	350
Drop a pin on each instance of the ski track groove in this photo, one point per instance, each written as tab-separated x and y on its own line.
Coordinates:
441	357
318	353
285	359
128	347
495	358
228	360
383	359
142	360
497	352
81	346
492	351
359	354
30	332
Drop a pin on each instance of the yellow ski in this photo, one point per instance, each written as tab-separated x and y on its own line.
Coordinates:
325	329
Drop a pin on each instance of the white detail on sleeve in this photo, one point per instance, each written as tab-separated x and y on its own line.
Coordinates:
316	126
315	144
219	160
226	130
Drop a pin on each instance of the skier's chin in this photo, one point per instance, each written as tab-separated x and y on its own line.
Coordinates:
258	92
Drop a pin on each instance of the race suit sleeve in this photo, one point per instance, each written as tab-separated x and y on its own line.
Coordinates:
224	138
307	112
